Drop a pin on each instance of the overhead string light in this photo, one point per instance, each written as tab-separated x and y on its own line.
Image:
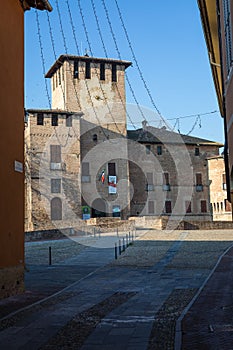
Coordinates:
106	55
137	65
95	69
119	56
42	56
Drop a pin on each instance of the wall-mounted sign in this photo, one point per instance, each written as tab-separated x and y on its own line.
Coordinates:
18	166
112	184
86	211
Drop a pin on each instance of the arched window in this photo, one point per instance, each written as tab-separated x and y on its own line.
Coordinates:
95	137
56	209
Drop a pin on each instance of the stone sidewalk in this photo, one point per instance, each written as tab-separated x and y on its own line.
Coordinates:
179	263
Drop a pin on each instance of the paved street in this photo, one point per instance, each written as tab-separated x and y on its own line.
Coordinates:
143	292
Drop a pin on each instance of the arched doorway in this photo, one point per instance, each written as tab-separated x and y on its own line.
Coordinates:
98	208
56	209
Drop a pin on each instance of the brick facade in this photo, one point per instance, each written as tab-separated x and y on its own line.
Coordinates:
98	168
221	208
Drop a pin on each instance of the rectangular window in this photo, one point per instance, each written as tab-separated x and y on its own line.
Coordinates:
166	178
40	119
54	120
199	185
159	150
55	185
228	32
188	207
148	148
197	151
114	72
69	120
55	154
88	70
102	71
168	207
198	179
224	182
166	184
85	172
150	182
76	72
203	206
151	207
112	169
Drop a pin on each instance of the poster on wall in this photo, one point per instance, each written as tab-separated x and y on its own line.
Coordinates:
112	184
86	211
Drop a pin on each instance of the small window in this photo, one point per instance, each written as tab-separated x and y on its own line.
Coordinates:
166	178
40	119
204	206
54	120
69	120
148	148
159	150
198	179
56	209
197	151
85	172
95	138
114	72
55	153
102	71
224	182
168	207
55	185
76	72
112	169
151	207
88	70
150	182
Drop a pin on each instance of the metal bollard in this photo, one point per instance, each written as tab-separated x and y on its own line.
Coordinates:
50	256
115	251
119	247
123	244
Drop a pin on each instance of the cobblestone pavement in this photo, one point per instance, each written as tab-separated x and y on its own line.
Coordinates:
160	273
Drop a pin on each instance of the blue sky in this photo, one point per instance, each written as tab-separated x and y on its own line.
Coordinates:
169	45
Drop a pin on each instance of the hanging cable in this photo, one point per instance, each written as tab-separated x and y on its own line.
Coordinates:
42	56
106	55
137	65
96	72
119	56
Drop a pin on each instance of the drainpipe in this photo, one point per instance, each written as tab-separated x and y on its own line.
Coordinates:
226	159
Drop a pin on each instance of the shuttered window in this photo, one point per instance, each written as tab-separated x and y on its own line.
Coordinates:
166	178
228	32
112	169
168	207
55	185
85	169
55	153
198	179
151	207
203	206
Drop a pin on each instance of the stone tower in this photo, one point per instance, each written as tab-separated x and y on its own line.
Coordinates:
95	86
